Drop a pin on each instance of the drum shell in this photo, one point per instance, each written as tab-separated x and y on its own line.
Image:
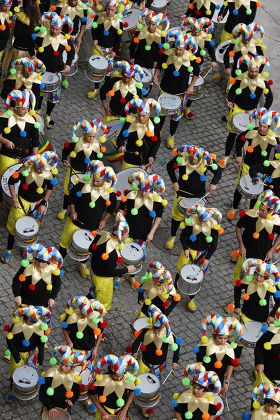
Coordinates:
250	340
51	87
86	375
31	237
145	81
73	67
127	261
248	194
77	252
148	399
165	110
198	90
95	74
25	392
193	202
186	287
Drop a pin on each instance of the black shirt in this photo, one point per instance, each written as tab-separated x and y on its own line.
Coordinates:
16	347
143	57
197	414
193	11
268	358
29	191
200	244
113	40
22	34
53	60
5	34
59	397
238	54
78	162
111	399
87	342
244	101
240	17
226	361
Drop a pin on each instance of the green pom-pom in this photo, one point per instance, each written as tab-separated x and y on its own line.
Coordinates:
133	186
164	339
95	320
264	153
263	302
250	126
266	163
149	275
120	402
131	378
13	71
53	361
37	28
249	277
156	120
174	347
7	353
86	177
37	125
236	41
188	220
8	113
186	382
94	25
209	239
122	120
233	345
148	47
50	392
25	173
188	415
43	29
238	72
202	53
214	166
139	26
134	212
179	160
44	339
139	85
206	359
166	46
238	91
92	204
100	155
25	263
44	326
65	84
190	69
75	139
248	12
79	335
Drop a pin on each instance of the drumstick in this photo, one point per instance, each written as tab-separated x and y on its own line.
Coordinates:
227	404
186	192
138	349
207	73
203	197
167	377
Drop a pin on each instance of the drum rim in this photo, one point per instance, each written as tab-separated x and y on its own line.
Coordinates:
141	319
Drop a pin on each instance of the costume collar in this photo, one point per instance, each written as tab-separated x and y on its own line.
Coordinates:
65	379
260	288
36	274
251	84
178	62
28	329
87	148
163	292
20	121
205	3
140	200
267	224
205	227
27	82
82	323
202	403
70	11
150	37
157	339
38	178
4	17
261	414
262	141
276	165
111	242
276	335
125	88
246	49
54	41
118	387
240	3
217	350
109	21
141	129
96	192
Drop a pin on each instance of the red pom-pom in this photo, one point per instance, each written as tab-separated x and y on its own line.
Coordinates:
66	144
143	347
271	236
270	82
118	193
94	246
242	213
10	25
122	100
126	192
104	324
25	187
165	304
218	406
119	260
125	24
128	349
235	362
32	287
238	282
161	51
6	328
243	138
149	411
154	138
198	12
82	387
56	53
91	386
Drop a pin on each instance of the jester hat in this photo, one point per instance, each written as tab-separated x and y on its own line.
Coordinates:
86	306
198	25
159	319
247	31
120	227
128	70
265	391
192	152
146	183
155	18
182	40
159	273
68	356
268	199
33	313
266	117
204	214
102	172
6	2
49	255
143	106
42	161
118	365
28	65
222	326
20	99
261	268
58	21
124	4
203	378
87	127
254	62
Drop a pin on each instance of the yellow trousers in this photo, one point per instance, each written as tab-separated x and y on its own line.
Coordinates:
142	367
238	269
14	365
104	287
6	162
16	214
183	260
176	214
260	378
67	233
226	36
126	165
244	170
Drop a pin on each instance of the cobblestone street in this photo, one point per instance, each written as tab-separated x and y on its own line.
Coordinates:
206	130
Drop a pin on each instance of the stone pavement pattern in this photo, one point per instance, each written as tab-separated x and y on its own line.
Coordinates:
206	130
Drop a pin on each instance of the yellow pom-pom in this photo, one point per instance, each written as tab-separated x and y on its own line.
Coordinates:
73	154
204	339
164	66
7	130
137	381
217	226
267	346
150	321
164	202
102	139
264	47
78	378
41	49
192	57
148	302
129	118
210	397
10	336
16	319
121	246
63	317
265	91
49	287
98	377
165	295
54	171
176	395
67	36
119	31
32	112
99	7
265	74
43	373
185	177
56	272
39	190
163	34
16	9
139	143
110	190
69	311
256	404
39	77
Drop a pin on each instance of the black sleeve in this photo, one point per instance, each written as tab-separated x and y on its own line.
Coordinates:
196	68
136	343
113	200
268	97
121	140
255	169
223	10
8	86
170	307
162	59
94	31
73	193
67	150
13	349
276	306
34	137
140	297
239	144
13	181
176	354
49	184
217	174
259	350
171	171
106	87
118	38
133	46
226	55
45	399
213	245
154	148
211	51
56	284
41	349
183	238
16	283
231	92
243	222
71	53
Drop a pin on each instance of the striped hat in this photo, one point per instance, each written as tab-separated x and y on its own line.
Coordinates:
86	306
266	117
87	127
38	252
69	357
155	18
254	62
159	273
198	25
118	365
20	99
105	173
146	183
41	161
247	31
268	199
143	106
267	392
159	319
128	70
203	378
194	152
28	65
33	313
222	326
262	268
120	227
182	40
204	214
58	21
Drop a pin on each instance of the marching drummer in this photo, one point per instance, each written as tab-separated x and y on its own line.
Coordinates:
106	255
38	281
37	179
92	202
266	402
24	73
260	142
240	11
244	95
139	138
6	21
26	337
200	30
243	43
158	283
267	354
81	150
154	344
60	385
106	32
121	90
201	8
178	64
113	392
216	353
19	130
199	239
199	399
50	44
257	231
193	163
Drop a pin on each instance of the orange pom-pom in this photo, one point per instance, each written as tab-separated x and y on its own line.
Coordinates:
246	296
102	398
230	307
258	3
108	203
15	175
53	8
136	334
105	256
218	364
191	6
21	277
47	331
158	352
136	40
94	232
250	149
97	332
103	149
235	253
67	48
231	53
230	215
213	156
136	284
124	199
149	133
198	60
69	394
221	231
232	81
111	93
205	416
256	235
174	152
177	297
20	311
222	162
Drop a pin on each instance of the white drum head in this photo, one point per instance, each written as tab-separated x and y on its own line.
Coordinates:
85	375
131	18
159	4
75	59
83	238
241	121
187	203
6	176
252	331
170	102
199	82
191	273
132	252
50	78
27	226
114	128
98	62
247	185
122	181
25	377
150	383
75	178
220	52
42	124
219	400
141	323
147	76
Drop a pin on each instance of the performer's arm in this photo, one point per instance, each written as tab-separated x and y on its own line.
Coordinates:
276	305
237	296
259	352
99	407
41	350
176	354
132	47
137	342
45	399
16	286
242	248
213	245
117	40
56	285
171	170
275	245
124	410
268	97
35	139
217	174
183	238
13	349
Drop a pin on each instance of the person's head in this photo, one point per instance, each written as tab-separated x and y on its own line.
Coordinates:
264	211
271	406
110	10
25	72
179	51
220	340
89	137
143	118
101	174
55	30
263	129
253	72
31	9
116	376
72	3
158	329
97	181
21	111
197	390
40	264
152	26
21	101
126	78
5	5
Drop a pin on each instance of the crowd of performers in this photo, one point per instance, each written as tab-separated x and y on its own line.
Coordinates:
39	39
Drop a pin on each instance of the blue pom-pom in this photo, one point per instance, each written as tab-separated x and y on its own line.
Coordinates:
26	343
176	73
196	349
42	86
264	328
144	91
193	238
179	341
126	133
212	43
41	380
78	194
117	283
152	213
202	178
62	273
218	7
7	255
33	36
84	20
174	403
140	289
269	179
235	12
277	294
22	133
252	95
246	416
64	324
92	407
137	392
106	33
161	45
54	181
87	161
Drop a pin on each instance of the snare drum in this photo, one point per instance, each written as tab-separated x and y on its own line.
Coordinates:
76	178
248	189
130	21
132	254
7	198
190	280
170	104
149	387
220	52
86	378
220	401
186	203
141	323
62	414
74	65
158	6
50	81
251	333
81	241
96	68
240	122
122	184
198	89
25	383
148	75
26	231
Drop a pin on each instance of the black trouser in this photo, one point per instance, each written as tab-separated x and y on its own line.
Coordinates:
237	198
229	143
173	125
50	106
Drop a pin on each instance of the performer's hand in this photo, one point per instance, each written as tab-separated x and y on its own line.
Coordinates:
190	90
205	263
174	366
269	255
16	203
73	215
78	43
113	54
220	18
106	108
51	303
122	414
9	144
70	344
155	80
212	188
187	253
132	61
269	320
66	164
95	42
230	105
42	209
122	149
53	413
239	160
17	300
131	268
260	368
69	402
175	186
225	388
66	69
151	160
214	65
102	224
94	353
242	251
150	237
228	71
105	416
237	311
